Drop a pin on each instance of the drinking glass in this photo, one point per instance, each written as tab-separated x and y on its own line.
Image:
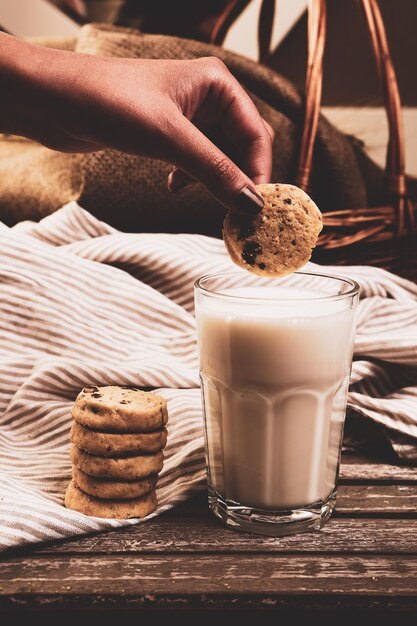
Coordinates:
275	359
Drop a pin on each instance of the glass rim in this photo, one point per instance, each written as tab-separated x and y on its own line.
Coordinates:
353	291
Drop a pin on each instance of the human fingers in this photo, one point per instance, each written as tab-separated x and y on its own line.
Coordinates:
228	108
202	160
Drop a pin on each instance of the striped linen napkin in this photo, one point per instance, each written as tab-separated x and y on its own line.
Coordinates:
82	303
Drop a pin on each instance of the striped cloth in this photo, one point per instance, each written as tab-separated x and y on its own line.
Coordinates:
82	303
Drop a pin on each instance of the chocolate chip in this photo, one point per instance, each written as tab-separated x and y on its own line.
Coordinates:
261	266
123	401
251	251
288	201
96	395
94	409
90	389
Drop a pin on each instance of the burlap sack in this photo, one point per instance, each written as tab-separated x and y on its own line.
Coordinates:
130	192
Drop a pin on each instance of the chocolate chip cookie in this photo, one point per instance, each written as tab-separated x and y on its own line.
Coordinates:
125	468
77	500
117	444
120	409
109	488
278	240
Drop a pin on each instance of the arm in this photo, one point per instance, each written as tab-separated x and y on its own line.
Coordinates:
161	109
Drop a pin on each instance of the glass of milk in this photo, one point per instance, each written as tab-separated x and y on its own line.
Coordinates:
275	359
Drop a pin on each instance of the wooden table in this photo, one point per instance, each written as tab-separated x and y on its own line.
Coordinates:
364	559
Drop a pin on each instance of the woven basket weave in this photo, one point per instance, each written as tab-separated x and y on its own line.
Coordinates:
383	236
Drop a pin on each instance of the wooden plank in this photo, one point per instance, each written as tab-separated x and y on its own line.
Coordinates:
205	534
387	499
191	526
377	499
48	580
376	472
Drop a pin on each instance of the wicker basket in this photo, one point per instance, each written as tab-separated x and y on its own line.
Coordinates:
383	236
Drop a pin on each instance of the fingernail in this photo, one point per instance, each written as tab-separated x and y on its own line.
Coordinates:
171	182
249	202
177	181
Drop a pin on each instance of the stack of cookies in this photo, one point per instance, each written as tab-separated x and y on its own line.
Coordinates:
118	435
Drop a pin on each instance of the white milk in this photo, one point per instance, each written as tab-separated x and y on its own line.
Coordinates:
274	378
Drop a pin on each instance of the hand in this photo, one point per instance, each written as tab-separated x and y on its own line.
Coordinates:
160	109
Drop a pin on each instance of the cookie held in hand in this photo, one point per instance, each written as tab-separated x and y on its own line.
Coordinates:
278	240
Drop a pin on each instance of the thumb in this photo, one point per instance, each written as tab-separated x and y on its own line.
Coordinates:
202	160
